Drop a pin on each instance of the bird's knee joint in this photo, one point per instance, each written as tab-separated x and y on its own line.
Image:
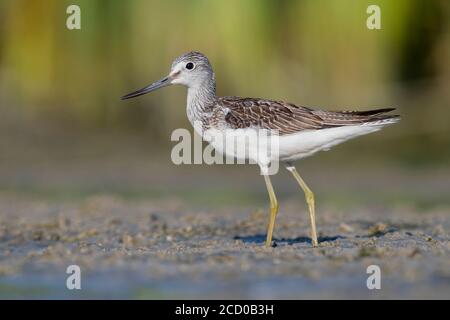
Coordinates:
310	196
274	207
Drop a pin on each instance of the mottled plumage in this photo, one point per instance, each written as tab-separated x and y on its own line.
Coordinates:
301	131
287	118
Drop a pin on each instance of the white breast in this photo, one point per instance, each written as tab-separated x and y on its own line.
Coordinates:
255	145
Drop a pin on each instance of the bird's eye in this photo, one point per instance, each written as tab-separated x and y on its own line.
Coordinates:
189	66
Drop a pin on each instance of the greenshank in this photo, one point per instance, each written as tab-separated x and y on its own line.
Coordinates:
301	131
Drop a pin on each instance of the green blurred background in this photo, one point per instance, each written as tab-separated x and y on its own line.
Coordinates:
61	89
69	147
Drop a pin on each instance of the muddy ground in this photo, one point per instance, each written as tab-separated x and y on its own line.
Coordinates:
146	249
143	229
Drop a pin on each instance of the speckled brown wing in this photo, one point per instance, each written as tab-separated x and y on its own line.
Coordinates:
288	118
267	114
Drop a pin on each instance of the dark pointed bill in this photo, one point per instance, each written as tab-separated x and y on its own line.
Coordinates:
156	85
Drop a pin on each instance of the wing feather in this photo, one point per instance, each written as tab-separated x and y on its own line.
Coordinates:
288	118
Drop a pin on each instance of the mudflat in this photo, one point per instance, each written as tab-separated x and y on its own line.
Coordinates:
140	230
162	249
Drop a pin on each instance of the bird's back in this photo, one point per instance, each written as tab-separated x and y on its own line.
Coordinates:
288	118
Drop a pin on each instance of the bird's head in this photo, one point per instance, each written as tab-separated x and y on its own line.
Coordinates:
191	69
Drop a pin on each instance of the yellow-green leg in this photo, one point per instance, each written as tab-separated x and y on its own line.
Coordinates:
309	195
273	210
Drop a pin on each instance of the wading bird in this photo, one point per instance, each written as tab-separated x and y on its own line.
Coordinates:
301	131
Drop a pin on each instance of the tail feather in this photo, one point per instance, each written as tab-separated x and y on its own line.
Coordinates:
369	112
346	118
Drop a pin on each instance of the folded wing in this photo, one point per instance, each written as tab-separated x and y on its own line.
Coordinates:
288	118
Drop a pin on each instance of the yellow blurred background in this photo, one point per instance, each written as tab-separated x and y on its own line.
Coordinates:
57	82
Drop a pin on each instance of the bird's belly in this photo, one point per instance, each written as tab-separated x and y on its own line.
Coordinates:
243	144
260	147
306	143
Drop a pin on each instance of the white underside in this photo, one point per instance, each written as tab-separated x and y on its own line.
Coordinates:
304	144
284	148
